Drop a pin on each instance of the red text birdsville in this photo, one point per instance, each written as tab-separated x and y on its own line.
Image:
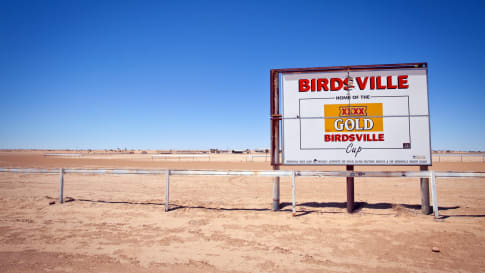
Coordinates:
336	84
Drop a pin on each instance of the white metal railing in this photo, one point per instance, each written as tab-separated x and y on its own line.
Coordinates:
251	157
271	173
63	154
181	156
460	156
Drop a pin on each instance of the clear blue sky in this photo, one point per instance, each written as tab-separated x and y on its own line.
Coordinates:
190	75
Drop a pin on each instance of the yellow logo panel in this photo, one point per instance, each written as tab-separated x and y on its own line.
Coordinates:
360	117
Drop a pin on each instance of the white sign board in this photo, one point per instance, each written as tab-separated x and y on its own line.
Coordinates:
368	117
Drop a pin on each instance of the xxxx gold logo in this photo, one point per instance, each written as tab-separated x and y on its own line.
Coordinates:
354	111
360	117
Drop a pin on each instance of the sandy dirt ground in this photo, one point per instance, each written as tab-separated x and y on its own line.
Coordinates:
117	223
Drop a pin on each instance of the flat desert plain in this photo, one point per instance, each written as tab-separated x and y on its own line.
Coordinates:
117	223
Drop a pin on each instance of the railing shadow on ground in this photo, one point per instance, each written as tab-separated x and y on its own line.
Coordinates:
361	205
70	199
416	208
462	215
287	207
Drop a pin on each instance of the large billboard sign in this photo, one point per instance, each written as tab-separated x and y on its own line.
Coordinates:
375	115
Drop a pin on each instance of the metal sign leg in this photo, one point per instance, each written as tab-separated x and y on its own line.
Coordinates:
276	193
425	208
350	190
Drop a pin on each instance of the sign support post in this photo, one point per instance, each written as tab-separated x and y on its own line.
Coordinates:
350	190
275	136
276	192
425	208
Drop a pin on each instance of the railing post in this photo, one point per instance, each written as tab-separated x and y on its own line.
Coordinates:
293	192
61	185
425	208
434	195
167	188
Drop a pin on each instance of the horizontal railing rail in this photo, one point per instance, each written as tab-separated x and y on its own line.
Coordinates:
420	174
